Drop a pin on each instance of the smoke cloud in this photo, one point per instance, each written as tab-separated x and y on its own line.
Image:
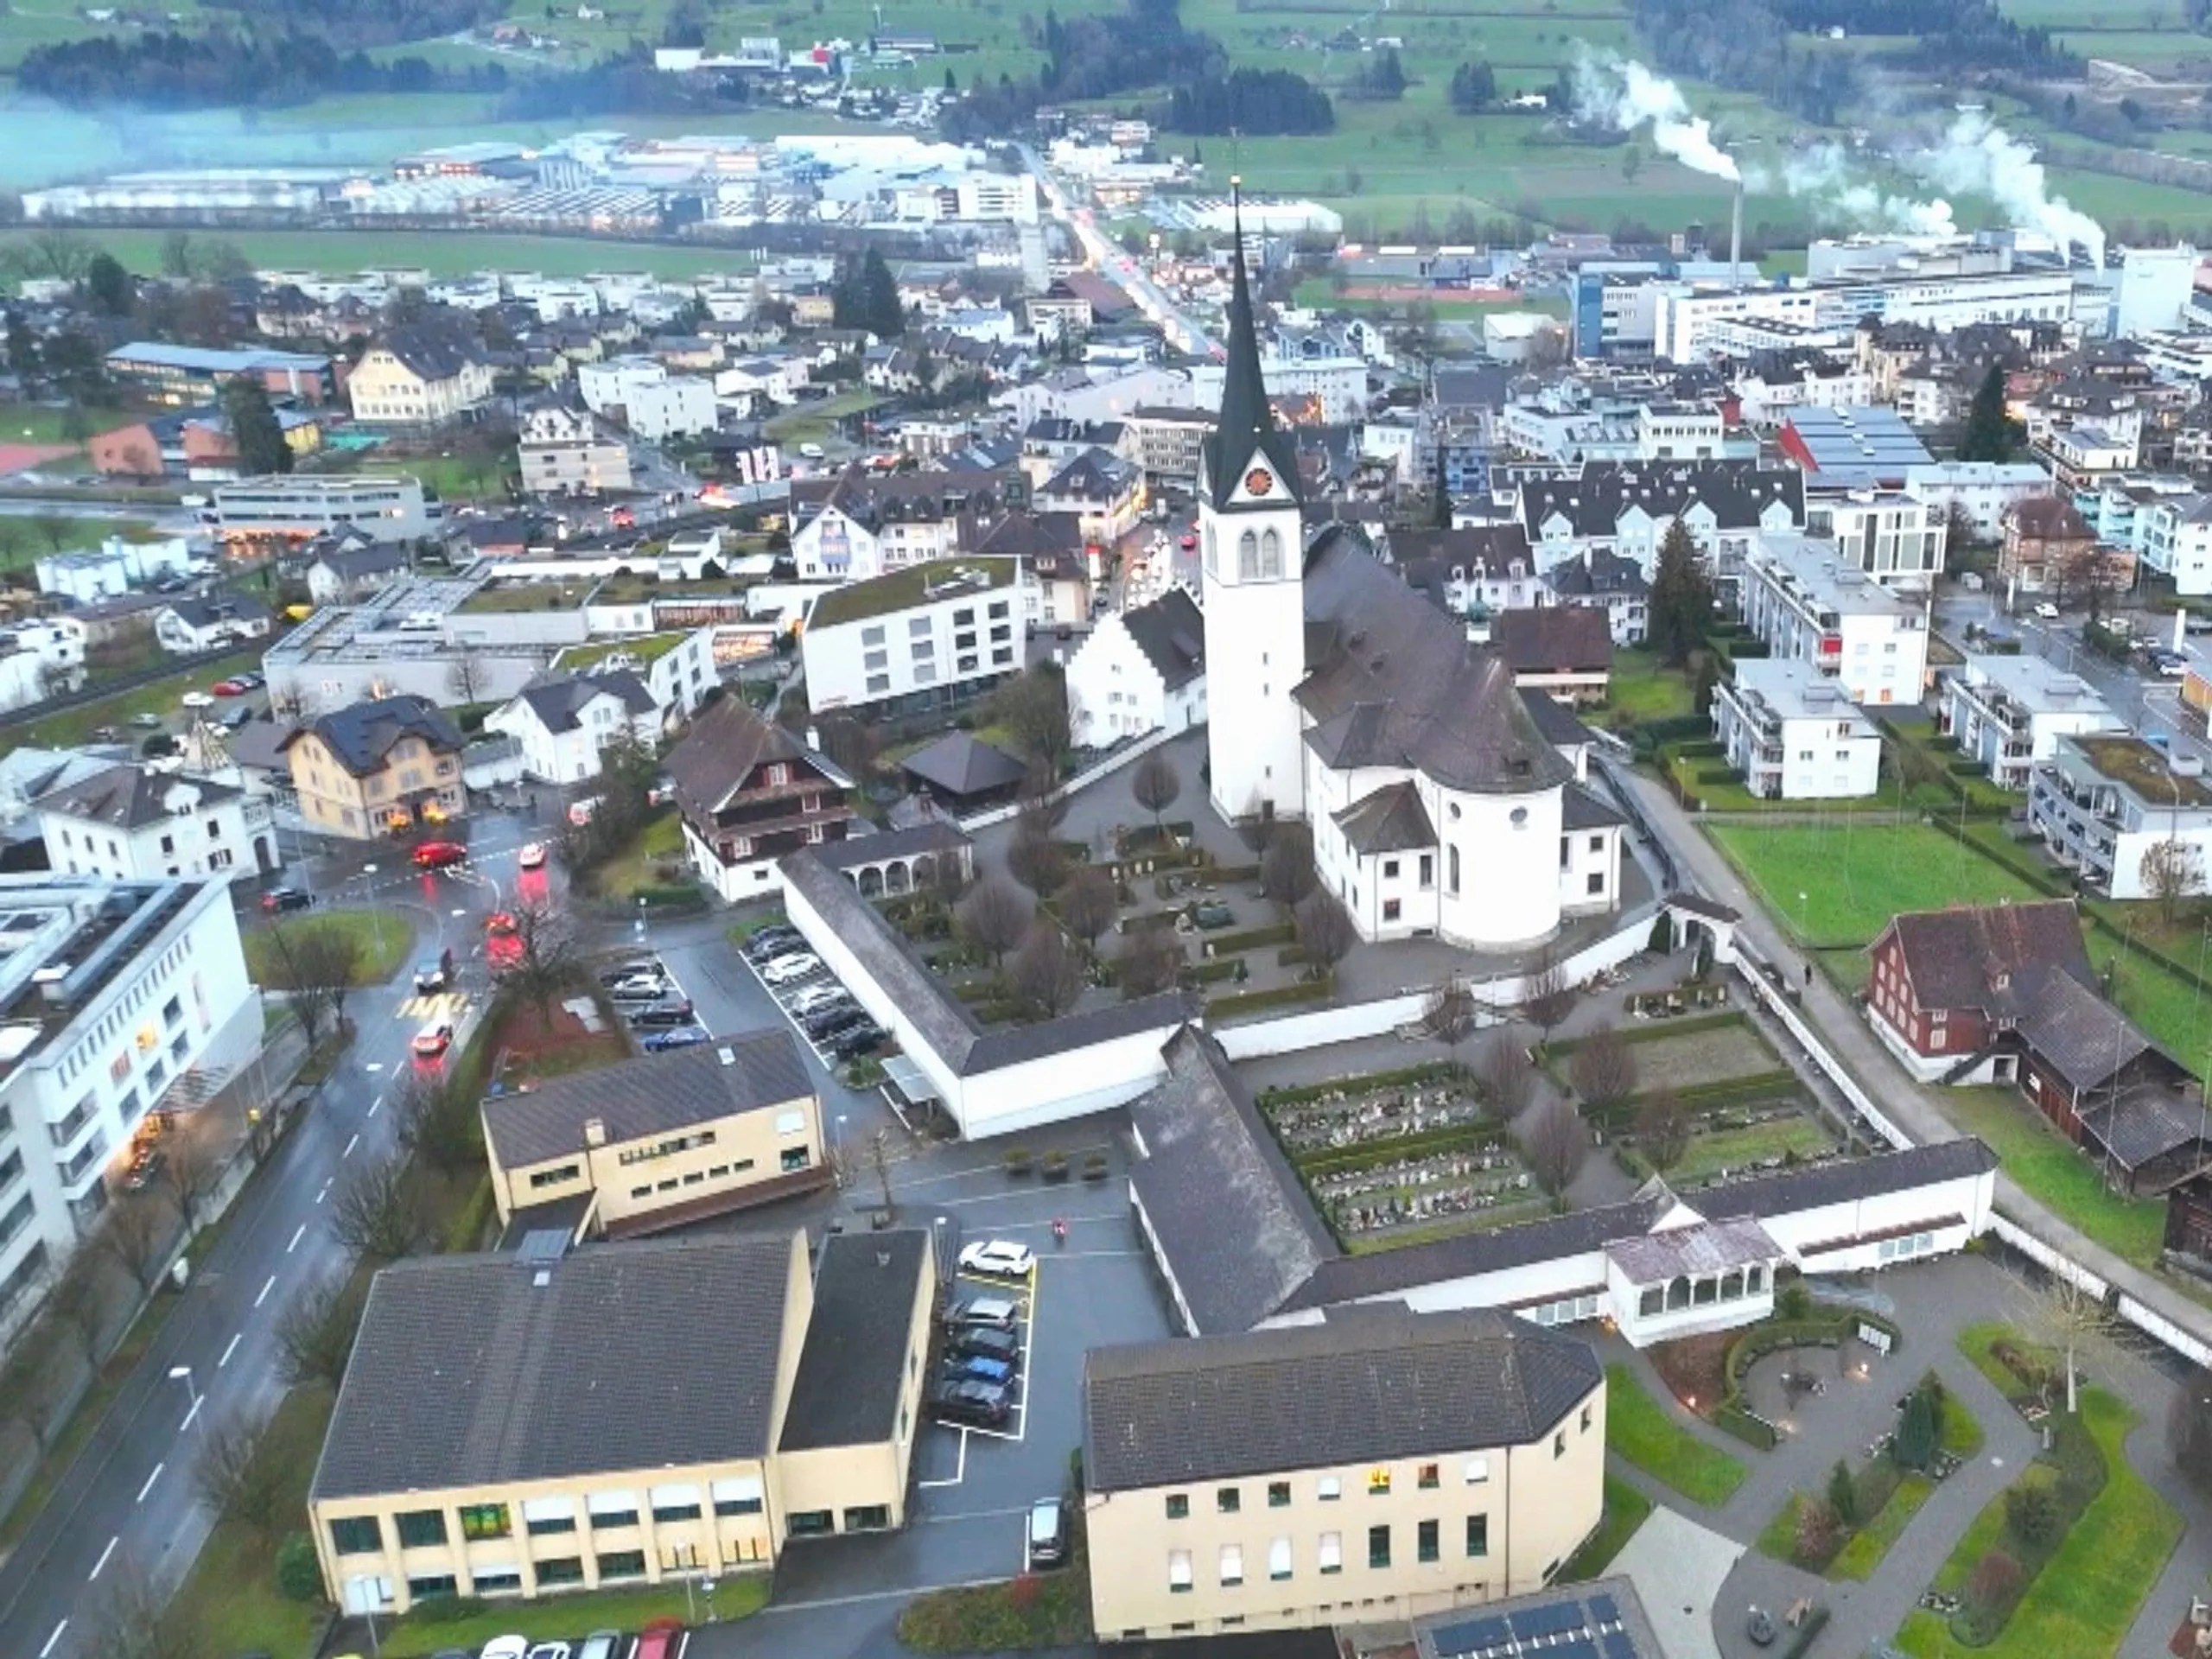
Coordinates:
1823	175
1976	155
1624	95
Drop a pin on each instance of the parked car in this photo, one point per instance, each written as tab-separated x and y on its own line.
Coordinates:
649	987
550	1650
432	1041
827	1021
600	1644
997	1258
977	1367
228	688
636	969
772	941
661	1639
2047	611
978	1404
856	1041
440	855
533	856
675	1012
1048	1532
818	997
436	975
983	1313
145	722
683	1037
789	971
987	1341
507	1647
276	900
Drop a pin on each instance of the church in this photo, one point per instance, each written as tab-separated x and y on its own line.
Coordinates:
1443	802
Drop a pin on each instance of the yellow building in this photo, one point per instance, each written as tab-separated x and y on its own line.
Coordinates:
661	1141
383	767
522	1424
1378	1466
419	374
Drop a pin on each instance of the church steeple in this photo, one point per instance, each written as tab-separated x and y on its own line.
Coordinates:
1245	433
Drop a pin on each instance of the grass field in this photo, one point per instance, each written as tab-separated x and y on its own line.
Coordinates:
1739	1149
1838	885
1643	689
72	727
2051	1170
381	938
1638	1428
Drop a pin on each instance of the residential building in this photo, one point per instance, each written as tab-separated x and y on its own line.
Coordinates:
1608	583
1866	447
210	620
1982	489
659	1141
39	656
1796	597
859	525
1793	734
1406	1462
117	999
422	373
680	406
1565	650
349	567
1102	490
377	768
561	452
1139	670
1689	318
1469	570
185	377
136	822
297	506
2102	803
607	386
750	792
932	636
563	724
2008	713
2177	542
118	565
1056	559
531	1467
2045	538
1628	508
1892	535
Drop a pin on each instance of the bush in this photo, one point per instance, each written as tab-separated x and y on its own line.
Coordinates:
1793	1302
2032	1513
446	1610
1996	1583
299	1575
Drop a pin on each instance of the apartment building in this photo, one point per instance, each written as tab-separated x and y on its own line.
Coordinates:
626	1414
1894	536
2008	713
561	452
118	999
861	524
39	656
187	376
750	792
661	1141
380	768
1375	1465
564	723
2102	803
1982	489
422	373
931	637
298	506
1805	604
2177	542
139	823
1793	734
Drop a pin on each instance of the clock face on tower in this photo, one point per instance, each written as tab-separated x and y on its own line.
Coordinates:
1259	481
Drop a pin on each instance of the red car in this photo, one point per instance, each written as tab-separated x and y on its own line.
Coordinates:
432	1041
503	941
230	687
440	855
1189	542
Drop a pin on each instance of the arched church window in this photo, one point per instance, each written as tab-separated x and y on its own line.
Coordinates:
1454	873
1213	559
1247	556
1270	554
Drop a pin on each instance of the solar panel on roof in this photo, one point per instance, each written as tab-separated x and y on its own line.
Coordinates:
1619	1644
1604	1610
1555	1620
1474	1636
1576	1647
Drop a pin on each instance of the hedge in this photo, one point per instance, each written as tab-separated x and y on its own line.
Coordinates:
1342	1160
1283	996
1745	1424
1251	938
1657	1030
1204	973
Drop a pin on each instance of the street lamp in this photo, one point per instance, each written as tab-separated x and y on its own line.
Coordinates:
376	919
183	1373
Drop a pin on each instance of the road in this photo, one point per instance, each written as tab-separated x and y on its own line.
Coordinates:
127	1504
1109	261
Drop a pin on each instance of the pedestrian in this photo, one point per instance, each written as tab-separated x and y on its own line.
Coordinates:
1809	975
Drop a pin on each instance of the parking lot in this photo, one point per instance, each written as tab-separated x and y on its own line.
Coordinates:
824	1017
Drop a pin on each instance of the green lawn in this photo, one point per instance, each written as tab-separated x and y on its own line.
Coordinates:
28	537
442	253
1835	885
812	422
1639	1429
1864	1552
2051	1171
569	1617
75	726
382	937
1738	1149
1625	1508
1642	690
631	871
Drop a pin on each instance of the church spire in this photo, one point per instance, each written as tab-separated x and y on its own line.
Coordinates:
1246	426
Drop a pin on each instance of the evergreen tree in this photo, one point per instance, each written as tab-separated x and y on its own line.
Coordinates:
1916	1439
881	314
1989	434
1681	596
110	285
262	449
1843	1497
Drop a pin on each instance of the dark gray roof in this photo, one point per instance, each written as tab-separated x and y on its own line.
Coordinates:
654	1094
1428	557
1598	574
359	735
1594	501
1391	820
1171	632
1561	726
1954	959
1554	639
890	843
2077	1033
211	610
1581	809
1224	1205
961	763
435	348
1364	1385
1245	431
852	1363
467	1372
559	703
127	796
2146	1122
727	742
351	563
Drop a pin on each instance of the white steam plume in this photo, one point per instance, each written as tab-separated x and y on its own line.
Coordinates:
1978	156
1823	175
1624	94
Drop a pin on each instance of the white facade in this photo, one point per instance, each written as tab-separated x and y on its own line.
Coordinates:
1254	597
303	505
208	830
111	995
834	546
940	647
117	568
1686	318
2176	541
571	754
1338	385
679	406
1894	536
2100	824
2009	713
1116	691
39	657
1796	596
1983	489
1794	734
612	383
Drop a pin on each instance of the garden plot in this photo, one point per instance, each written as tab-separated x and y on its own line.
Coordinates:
1688	1060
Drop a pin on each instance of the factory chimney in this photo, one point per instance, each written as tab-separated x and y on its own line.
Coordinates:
1736	238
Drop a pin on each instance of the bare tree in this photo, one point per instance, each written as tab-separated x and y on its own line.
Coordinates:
376	1213
1450	1015
57	530
854	744
465	678
878	1158
133	1618
2171	876
1256	826
1604	1067
1089	903
1046	975
439	1123
1326	931
1148	962
137	1232
78	1305
1032	707
1662	1129
1286	873
1547	998
1508	1076
234	1478
27	1392
315	1337
993	917
1556	1146
1041	807
316	965
190	1173
541	963
2073	1323
1038	861
1155	786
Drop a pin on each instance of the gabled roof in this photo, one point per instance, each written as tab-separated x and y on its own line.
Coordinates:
2077	1033
434	348
1095	475
1483	551
352	564
853	1366
559	703
1554	639
1391	820
360	736
961	765
727	742
1172	633
1954	959
2050	518
211	610
128	796
1366	1385
1594	501
1598	574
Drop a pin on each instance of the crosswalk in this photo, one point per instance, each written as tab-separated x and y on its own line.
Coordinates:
443	1007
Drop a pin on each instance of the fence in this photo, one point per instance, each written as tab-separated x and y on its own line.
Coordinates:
1754	974
2051	1259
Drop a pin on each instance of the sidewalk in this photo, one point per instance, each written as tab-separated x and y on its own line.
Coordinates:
1877	1070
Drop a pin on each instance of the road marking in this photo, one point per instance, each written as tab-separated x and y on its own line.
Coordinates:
375	1106
374	1066
960	1470
350	1144
150	1479
198	1400
102	1562
298	1234
52	1640
323	1192
230	1349
265	1289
